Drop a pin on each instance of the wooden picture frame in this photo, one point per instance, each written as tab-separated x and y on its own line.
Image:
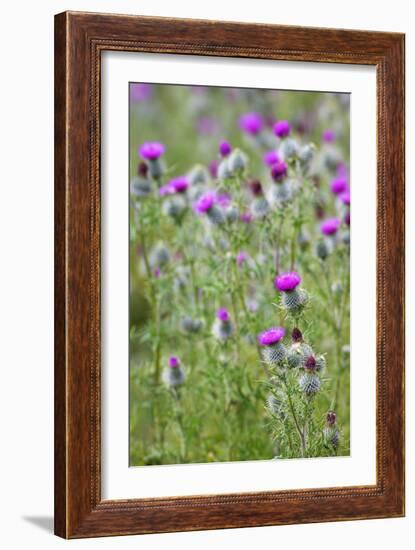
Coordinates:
79	40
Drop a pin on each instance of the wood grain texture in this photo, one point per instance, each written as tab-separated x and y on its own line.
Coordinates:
79	40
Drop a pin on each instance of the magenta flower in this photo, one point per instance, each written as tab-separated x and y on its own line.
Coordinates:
241	257
339	185
141	92
151	150
328	136
223	200
271	336
224	148
341	170
330	226
205	202
213	168
246	217
271	158
223	315
179	184
287	281
174	362
165	190
157	272
345	197
251	123
207	126
279	171
282	128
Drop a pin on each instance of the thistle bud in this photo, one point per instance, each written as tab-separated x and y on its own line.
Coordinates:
298	353
310	384
293	299
140	187
174	207
320	363
272	349
224	172
307	154
323	249
231	213
222	327
198	175
282	193
191	325
237	161
260	208
288	149
156	168
331	433
159	256
174	375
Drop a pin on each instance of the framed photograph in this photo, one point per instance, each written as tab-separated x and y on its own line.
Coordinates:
229	331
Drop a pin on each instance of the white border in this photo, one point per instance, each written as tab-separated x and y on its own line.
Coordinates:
118	479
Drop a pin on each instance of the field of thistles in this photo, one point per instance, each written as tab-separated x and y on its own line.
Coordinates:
239	274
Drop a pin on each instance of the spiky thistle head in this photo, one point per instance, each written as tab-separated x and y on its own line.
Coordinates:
224	148
251	123
287	281
151	150
173	374
279	171
282	128
272	349
330	226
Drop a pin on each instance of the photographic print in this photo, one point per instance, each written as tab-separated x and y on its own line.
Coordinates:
239	274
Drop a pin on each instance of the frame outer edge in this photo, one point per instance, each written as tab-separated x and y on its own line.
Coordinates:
60	296
77	514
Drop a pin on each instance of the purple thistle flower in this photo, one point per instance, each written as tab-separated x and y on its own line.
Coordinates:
331	418
151	150
271	158
345	197
328	136
251	123
339	185
205	202
174	362
256	188
140	92
165	190
310	364
241	257
223	315
157	272
179	184
207	126
341	170
246	217
271	336
296	335
330	226
282	128
213	168
142	169
224	148
279	171
223	200
347	218
287	281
